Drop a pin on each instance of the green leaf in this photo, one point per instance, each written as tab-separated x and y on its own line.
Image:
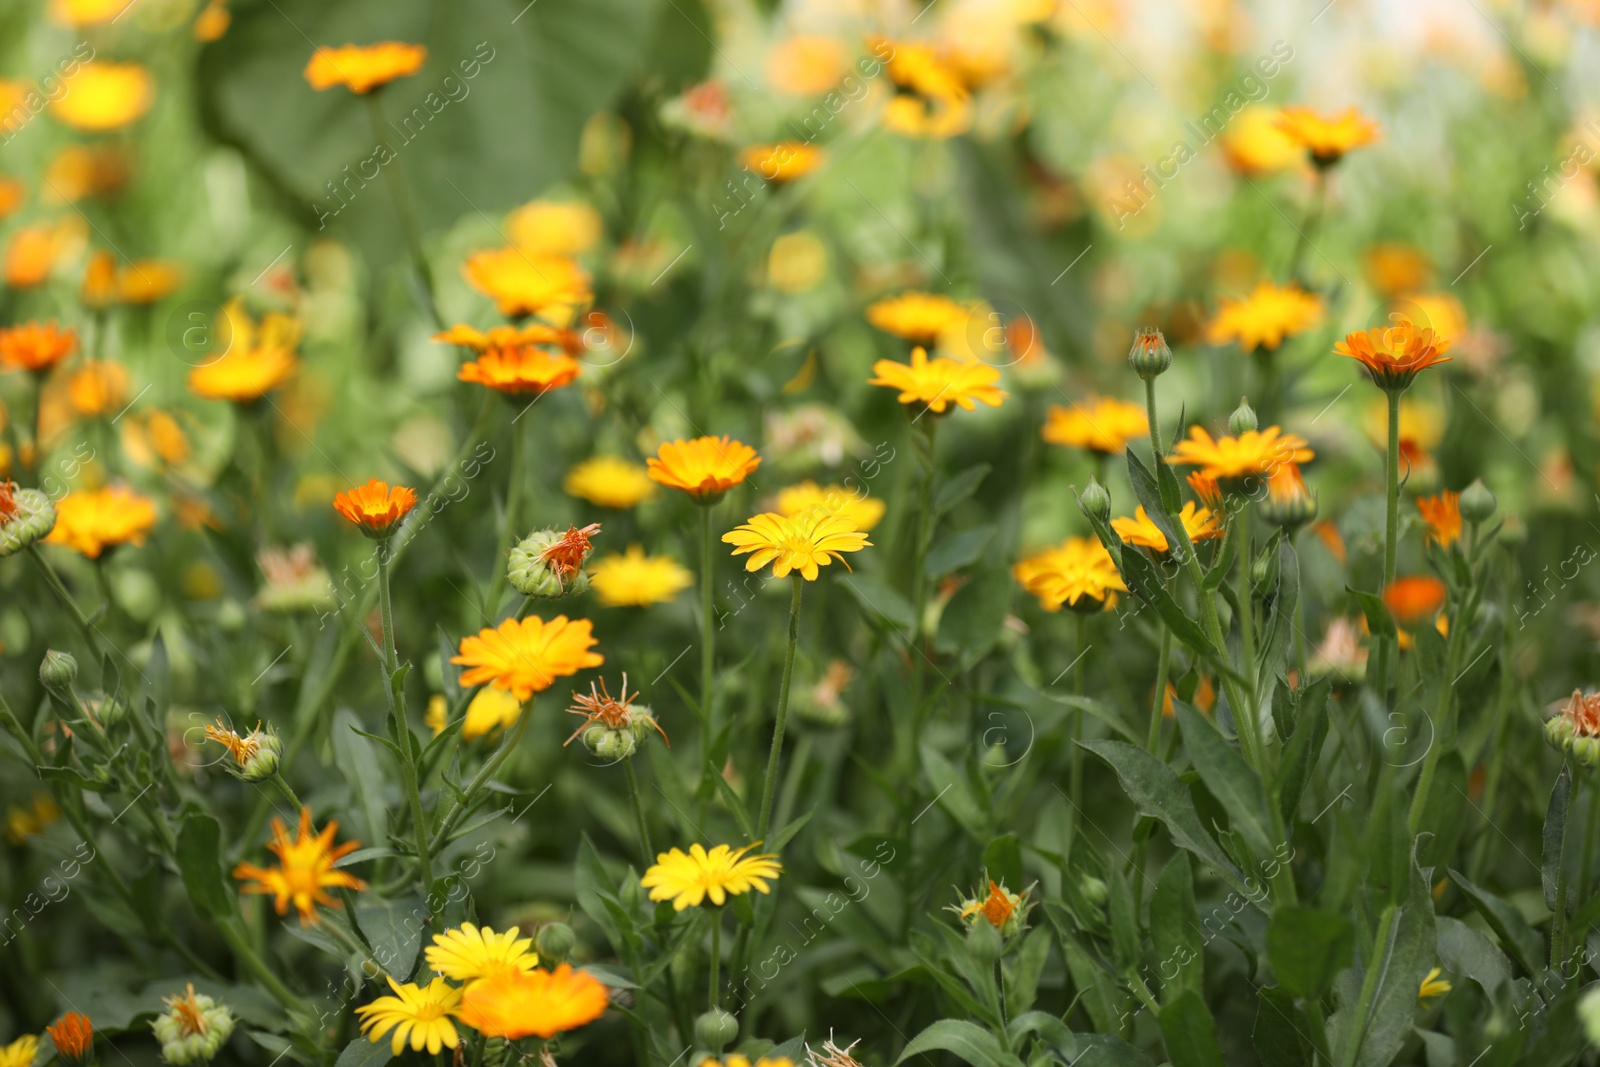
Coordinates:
959	487
1516	937
67	774
1463	950
954	794
879	601
1175	930
1099	994
1229	778
1157	792
394	930
1308	948
358	761
594	888
1002	859
971	623
1189	1032
361	1052
958	550
1149	494
1142	580
1280	1033
1555	836
1279	624
1379	621
1023	970
199	858
1098	710
968	1041
1300	755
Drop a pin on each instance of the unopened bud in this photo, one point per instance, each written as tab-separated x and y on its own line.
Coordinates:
58	670
1095	501
1149	357
1477	503
1243	419
716	1029
555	942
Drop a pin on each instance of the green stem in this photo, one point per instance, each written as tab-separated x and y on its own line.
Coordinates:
716	956
1391	530
253	963
919	550
1158	706
407	210
288	793
1558	918
1075	751
638	812
90	634
708	660
1247	717
394	687
1369	986
771	780
479	780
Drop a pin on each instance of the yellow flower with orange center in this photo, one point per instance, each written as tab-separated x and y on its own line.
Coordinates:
35	346
539	1004
1078	572
917	316
92	521
104	96
376	507
305	870
523	284
417	1014
1395	354
1265	317
636	580
99	387
363	68
467	953
705	467
1252	452
1102	424
526	656
1200	524
939	383
258	357
609	482
864	512
1442	513
1327	137
801	543
784	161
521	371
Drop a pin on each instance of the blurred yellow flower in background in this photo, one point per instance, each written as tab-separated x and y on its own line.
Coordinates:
554	227
363	68
35	346
540	1003
78	171
147	281
633	579
932	101
91	521
1254	143
609	482
1440	312
1078	572
524	284
797	263
212	21
105	96
12	194
863	511
21	1052
1393	268
784	161
1100	424
34	251
1264	317
806	65
917	316
87	12
99	387
1141	530
939	383
521	371
1327	137
258	357
489	711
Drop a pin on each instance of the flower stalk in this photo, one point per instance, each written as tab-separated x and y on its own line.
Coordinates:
770	781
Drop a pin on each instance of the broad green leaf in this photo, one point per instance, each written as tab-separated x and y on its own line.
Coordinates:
1189	1032
1175	930
878	600
200	864
1022	971
1379	621
958	487
1280	1035
1100	996
394	930
1002	859
594	888
1464	951
1142	580
968	1041
358	761
1150	496
361	1052
971	623
958	550
1300	755
1229	778
1308	948
1517	938
1555	836
953	793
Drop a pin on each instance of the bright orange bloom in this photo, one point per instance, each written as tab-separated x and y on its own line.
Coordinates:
1141	530
1327	138
1412	599
521	371
1252	452
34	252
100	280
784	161
540	1004
1265	317
1395	354
1103	424
532	333
997	907
1207	489
363	68
35	346
1289	503
524	284
73	1035
376	507
939	383
305	869
99	387
527	656
1442	513
568	553
1394	268
12	193
148	281
92	521
705	467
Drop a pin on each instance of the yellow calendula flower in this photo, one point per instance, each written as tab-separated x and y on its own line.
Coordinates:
1078	572
104	96
1200	525
917	316
864	512
24	822
1101	424
467	953
1254	143
705	467
20	1053
1265	317
554	227
939	383
526	656
99	387
86	12
931	100
525	284
802	543
91	521
256	357
363	68
305	870
633	579
609	482
1440	312
1433	985
490	711
1327	137
688	878
420	1014
785	161
1252	452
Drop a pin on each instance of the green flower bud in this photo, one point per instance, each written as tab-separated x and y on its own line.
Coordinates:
1589	1015
550	564
192	1029
26	515
1149	357
1094	890
610	745
58	670
1243	419
1095	501
1477	503
716	1029
1585	750
984	943
555	942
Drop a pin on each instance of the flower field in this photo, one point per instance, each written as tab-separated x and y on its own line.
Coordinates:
790	533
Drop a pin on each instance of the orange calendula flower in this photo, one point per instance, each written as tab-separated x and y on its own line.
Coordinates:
104	96
363	68
1201	525
73	1035
1078	572
1327	138
1442	513
539	1004
1289	503
806	65
92	521
705	467
148	281
917	316
35	346
12	194
1252	452
99	387
800	543
1414	598
524	284
526	656
522	371
256	357
1265	317
1394	268
1395	354
939	383
533	333
784	161
1103	424
34	252
1207	489
305	869
376	507
998	907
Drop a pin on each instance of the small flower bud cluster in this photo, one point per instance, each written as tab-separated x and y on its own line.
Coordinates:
26	515
548	563
1576	729
192	1029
